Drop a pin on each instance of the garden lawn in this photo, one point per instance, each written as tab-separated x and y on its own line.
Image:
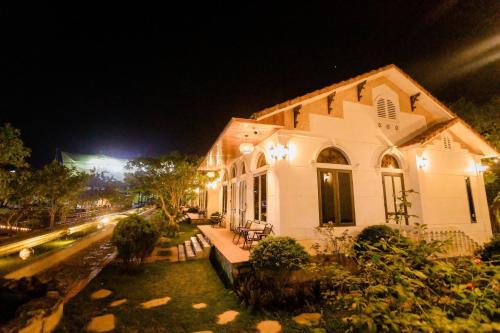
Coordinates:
187	283
186	231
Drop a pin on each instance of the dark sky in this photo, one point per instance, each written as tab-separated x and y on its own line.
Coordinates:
130	81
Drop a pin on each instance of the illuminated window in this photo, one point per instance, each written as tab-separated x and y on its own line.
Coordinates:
332	155
336	202
260	197
389	161
261	161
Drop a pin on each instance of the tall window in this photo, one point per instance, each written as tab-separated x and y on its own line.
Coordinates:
233	171
261	161
243	170
470	200
389	161
260	197
224	199
203	200
393	185
335	189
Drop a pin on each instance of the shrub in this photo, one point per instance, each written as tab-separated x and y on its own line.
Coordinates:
490	251
372	236
267	285
135	239
278	254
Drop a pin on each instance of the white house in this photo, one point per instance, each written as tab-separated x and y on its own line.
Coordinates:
343	154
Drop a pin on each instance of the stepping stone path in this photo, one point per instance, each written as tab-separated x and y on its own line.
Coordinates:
309	319
155	302
101	293
118	302
227	317
103	323
199	306
269	326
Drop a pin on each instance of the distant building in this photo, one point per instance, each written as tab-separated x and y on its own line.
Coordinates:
101	163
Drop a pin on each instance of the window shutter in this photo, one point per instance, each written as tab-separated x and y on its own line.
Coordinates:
391	110
381	112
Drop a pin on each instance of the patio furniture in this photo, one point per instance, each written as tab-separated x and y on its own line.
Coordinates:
256	235
217	220
242	230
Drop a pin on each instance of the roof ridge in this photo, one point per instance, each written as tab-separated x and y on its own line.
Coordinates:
319	91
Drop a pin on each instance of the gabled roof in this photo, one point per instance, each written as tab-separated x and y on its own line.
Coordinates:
430	133
458	127
407	84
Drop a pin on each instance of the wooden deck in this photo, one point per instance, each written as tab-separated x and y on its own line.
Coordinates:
222	239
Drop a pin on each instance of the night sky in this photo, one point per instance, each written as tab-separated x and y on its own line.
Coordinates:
129	81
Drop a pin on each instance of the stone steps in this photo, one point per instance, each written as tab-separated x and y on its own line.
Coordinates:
182	253
189	250
203	241
196	246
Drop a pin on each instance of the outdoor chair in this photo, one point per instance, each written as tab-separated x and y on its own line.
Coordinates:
256	235
242	230
217	220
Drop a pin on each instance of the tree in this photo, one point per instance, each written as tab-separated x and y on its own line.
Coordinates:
59	188
170	178
486	119
102	188
13	156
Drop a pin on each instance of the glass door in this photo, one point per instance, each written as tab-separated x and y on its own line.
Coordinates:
393	185
233	218
243	202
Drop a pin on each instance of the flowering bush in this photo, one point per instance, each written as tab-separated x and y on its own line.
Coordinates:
399	288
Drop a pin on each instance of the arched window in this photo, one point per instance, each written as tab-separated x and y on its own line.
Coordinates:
243	170
389	161
261	161
233	171
386	108
336	200
333	156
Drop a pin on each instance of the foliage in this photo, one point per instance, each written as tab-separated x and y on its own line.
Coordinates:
398	288
135	239
331	243
171	178
278	254
490	251
273	262
104	190
12	150
372	236
59	188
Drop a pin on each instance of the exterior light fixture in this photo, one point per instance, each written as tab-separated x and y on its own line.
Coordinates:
211	174
481	168
279	152
246	148
422	162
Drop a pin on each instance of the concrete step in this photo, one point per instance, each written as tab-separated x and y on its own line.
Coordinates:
202	240
189	250
182	253
196	246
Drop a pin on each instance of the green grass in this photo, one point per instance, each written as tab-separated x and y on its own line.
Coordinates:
186	283
185	233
